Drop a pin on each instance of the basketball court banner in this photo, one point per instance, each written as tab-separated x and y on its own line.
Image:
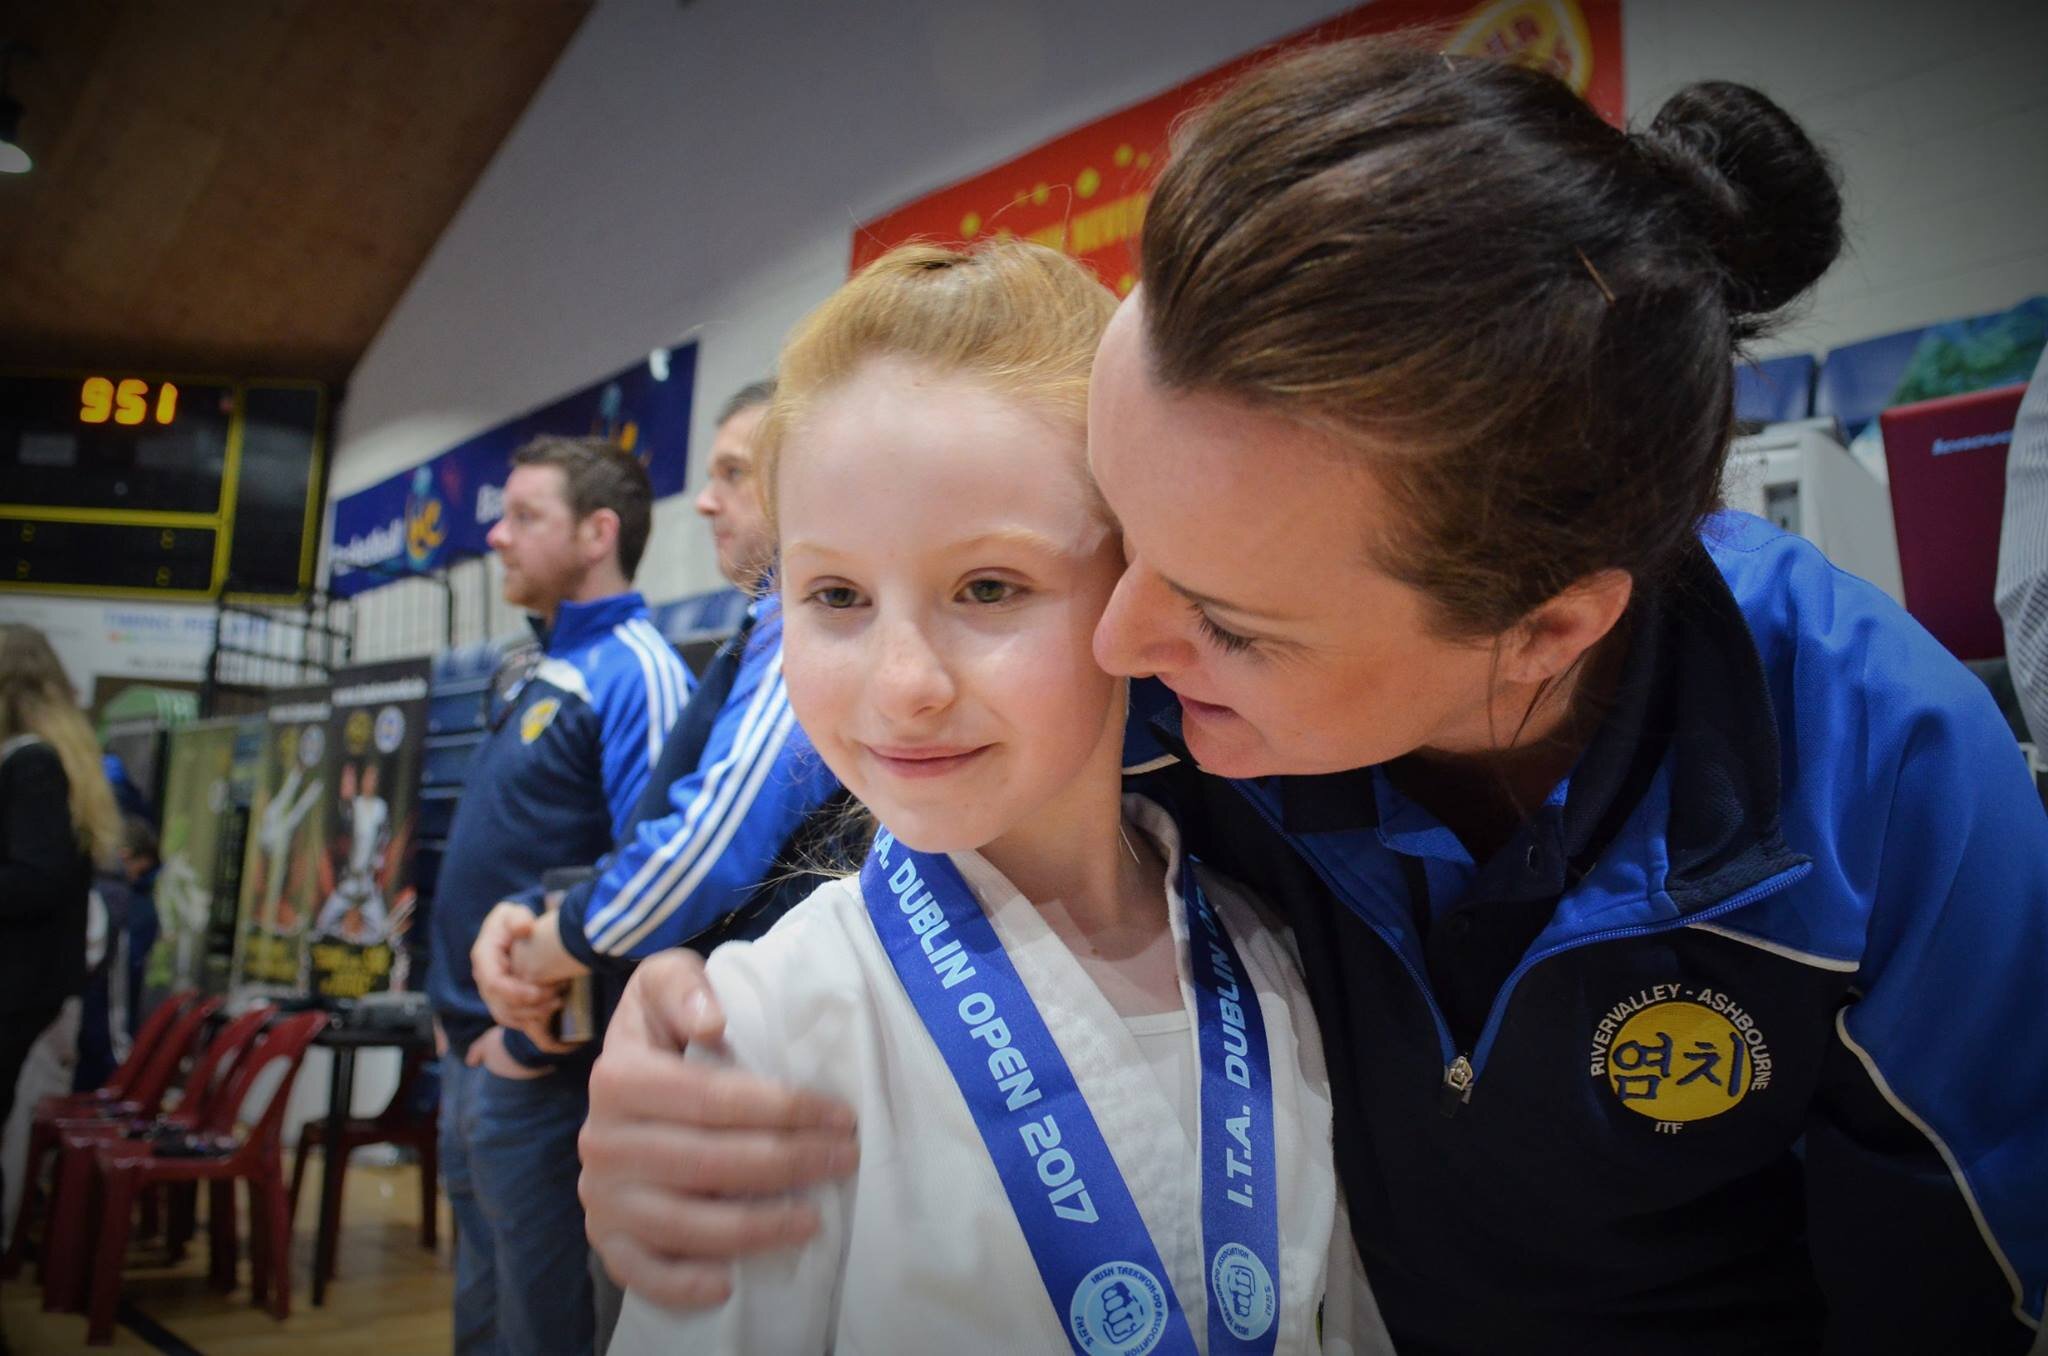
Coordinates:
1085	192
439	512
376	732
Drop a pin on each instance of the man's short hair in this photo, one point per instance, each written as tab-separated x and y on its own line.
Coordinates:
746	398
599	474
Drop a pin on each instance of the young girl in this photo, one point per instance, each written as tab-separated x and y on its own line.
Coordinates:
1093	1112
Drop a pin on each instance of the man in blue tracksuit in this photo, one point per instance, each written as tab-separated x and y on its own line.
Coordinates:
1740	1046
721	839
566	760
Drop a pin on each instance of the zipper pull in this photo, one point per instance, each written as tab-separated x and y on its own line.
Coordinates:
1457	1090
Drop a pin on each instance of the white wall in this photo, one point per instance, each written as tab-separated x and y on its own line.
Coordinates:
93	636
1938	114
698	170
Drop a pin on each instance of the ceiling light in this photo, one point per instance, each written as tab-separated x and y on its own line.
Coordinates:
13	159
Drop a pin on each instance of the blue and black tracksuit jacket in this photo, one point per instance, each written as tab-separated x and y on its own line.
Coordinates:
722	834
554	782
1740	1045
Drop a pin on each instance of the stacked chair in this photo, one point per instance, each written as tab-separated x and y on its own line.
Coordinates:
217	1155
134	1150
64	1247
133	1096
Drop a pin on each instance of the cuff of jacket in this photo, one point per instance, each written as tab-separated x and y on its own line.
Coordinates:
575	905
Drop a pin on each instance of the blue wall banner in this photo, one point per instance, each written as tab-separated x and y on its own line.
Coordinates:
437	513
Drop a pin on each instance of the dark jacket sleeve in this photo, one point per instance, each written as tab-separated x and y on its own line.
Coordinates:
1927	1158
38	848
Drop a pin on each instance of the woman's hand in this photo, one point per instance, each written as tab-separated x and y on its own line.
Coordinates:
686	1165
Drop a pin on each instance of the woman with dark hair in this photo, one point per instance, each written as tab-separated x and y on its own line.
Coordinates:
1672	905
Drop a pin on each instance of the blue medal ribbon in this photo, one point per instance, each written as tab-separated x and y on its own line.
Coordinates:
1094	1254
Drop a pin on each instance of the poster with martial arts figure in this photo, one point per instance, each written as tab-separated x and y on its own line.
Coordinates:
375	734
210	769
281	873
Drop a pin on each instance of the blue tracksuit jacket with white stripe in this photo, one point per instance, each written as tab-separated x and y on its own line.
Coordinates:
1768	1071
554	782
757	782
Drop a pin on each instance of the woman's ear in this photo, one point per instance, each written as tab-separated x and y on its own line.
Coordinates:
1559	632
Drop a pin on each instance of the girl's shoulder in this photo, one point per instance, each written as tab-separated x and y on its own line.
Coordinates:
813	973
812	941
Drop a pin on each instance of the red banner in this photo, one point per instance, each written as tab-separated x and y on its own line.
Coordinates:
1085	192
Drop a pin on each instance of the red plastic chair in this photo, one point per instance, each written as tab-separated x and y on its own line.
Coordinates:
215	1155
399	1124
210	1075
147	1036
138	1099
65	1245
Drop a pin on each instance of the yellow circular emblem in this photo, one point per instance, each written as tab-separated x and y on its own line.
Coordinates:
1676	1061
537	718
355	734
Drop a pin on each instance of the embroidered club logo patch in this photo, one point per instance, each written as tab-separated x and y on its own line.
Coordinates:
1119	1309
538	717
1676	1054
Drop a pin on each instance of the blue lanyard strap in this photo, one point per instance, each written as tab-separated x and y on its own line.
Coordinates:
1094	1254
1240	1194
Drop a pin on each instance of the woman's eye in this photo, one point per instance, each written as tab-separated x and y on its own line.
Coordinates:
1230	642
990	590
837	597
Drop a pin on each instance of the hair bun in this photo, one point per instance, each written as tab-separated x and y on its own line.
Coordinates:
1768	200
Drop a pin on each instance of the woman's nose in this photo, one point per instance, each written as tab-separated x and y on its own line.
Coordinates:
1139	634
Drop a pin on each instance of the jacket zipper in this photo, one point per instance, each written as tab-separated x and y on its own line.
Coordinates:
1461	1071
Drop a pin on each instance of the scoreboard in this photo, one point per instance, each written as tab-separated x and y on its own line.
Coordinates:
133	484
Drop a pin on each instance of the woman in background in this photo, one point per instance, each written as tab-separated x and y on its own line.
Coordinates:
57	817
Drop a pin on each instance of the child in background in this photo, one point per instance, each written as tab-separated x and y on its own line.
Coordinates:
1093	1109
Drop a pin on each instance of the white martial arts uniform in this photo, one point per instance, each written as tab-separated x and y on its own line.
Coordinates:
921	1252
369	818
281	818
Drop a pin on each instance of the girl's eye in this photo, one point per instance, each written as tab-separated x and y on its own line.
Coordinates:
990	590
836	597
1230	642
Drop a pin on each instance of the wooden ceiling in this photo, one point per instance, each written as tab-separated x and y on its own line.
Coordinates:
245	187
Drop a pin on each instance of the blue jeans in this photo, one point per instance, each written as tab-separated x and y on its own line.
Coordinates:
508	1164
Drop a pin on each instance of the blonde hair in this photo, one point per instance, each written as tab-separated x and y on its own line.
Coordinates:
36	699
1021	317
